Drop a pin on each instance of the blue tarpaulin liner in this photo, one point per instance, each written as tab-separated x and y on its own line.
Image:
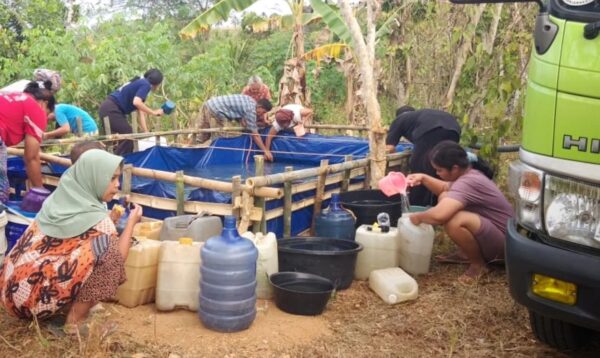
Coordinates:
228	157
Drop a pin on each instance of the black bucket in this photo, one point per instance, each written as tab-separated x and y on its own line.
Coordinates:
366	204
301	293
334	259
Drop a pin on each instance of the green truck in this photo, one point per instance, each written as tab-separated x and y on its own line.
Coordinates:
553	244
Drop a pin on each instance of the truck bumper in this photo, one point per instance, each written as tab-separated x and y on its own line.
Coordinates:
526	256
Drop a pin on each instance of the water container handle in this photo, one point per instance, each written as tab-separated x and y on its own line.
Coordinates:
414	290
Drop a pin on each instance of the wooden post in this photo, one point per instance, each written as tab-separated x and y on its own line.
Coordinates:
79	126
346	180
259	171
236	197
247	204
134	127
107	132
367	183
287	206
126	185
180	192
320	191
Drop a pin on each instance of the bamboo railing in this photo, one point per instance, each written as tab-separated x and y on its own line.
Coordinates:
249	197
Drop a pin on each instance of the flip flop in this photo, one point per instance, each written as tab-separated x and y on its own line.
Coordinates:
453	258
469	278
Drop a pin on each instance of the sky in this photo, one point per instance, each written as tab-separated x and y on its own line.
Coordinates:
267	6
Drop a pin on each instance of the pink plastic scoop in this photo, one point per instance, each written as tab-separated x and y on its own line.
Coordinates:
393	183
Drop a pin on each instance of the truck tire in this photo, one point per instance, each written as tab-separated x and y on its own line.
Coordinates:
558	334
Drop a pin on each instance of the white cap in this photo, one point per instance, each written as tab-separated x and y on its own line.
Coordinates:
392	298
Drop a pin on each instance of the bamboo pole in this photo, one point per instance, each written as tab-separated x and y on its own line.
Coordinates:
135	130
301	204
280	178
126	186
259	170
247	206
236	197
121	136
367	183
337	127
190	206
287	206
206	183
107	133
43	156
319	192
79	126
175	125
347	172
180	192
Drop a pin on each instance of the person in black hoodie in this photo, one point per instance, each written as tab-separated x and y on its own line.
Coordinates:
424	128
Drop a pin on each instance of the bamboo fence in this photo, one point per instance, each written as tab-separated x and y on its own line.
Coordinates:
249	197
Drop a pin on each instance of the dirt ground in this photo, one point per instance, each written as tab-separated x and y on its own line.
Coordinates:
446	320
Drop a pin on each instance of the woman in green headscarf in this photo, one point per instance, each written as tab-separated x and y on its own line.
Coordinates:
71	257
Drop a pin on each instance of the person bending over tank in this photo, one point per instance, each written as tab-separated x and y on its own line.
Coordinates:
128	98
66	118
23	118
471	208
290	116
237	107
424	128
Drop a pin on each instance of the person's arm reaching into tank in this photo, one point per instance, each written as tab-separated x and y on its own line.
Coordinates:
270	136
58	132
258	140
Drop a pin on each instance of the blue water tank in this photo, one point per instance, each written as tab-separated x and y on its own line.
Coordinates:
336	222
228	281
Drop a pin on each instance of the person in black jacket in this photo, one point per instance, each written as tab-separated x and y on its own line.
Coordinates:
424	128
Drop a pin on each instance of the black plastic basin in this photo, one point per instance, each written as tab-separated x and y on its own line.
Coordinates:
367	204
301	293
334	259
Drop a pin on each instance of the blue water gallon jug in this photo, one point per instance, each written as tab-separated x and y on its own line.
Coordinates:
228	281
335	222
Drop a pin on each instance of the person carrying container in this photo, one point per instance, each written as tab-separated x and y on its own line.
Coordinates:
23	118
73	232
66	117
471	208
257	89
424	128
290	116
237	107
128	98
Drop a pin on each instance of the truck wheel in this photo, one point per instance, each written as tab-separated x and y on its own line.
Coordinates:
557	334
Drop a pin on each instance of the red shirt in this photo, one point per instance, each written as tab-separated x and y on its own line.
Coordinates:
20	115
257	92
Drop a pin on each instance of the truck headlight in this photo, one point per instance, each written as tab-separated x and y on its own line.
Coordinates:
572	211
525	183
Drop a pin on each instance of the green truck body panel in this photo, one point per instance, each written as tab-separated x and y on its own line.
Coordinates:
540	98
562	105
